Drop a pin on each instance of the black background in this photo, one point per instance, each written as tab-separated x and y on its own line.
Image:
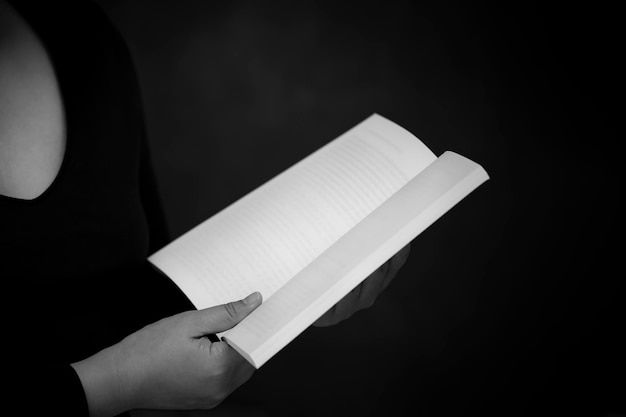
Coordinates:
511	303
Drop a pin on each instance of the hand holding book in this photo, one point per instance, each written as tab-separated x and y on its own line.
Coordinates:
169	364
309	237
364	295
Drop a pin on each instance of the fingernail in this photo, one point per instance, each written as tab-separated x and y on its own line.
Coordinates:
252	299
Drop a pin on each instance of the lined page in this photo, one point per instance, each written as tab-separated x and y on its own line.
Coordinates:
262	240
333	274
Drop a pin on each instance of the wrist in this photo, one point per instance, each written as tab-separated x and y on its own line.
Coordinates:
101	380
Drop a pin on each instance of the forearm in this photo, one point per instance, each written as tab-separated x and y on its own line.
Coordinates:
102	384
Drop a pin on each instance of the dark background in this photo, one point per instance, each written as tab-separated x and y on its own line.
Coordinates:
512	302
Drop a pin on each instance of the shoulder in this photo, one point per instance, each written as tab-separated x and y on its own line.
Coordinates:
31	119
8	24
11	38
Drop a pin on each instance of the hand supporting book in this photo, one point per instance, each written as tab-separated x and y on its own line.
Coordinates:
364	295
311	235
170	364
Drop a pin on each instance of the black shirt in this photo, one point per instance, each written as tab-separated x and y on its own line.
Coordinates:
74	270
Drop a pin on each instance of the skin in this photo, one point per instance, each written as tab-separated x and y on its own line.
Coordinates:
169	364
32	128
364	295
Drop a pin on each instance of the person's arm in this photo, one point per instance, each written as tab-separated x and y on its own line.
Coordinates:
170	364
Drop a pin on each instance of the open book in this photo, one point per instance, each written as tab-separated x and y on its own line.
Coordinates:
311	234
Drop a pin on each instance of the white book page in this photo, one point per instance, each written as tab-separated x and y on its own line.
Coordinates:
334	273
262	240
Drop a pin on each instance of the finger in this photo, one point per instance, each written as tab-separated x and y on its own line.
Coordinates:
391	274
223	317
382	270
376	281
340	311
370	288
361	297
242	369
348	305
395	264
400	258
243	372
239	370
326	319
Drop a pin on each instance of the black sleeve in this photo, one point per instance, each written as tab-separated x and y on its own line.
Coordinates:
56	389
151	201
71	395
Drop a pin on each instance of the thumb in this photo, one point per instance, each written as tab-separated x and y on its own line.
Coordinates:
223	317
